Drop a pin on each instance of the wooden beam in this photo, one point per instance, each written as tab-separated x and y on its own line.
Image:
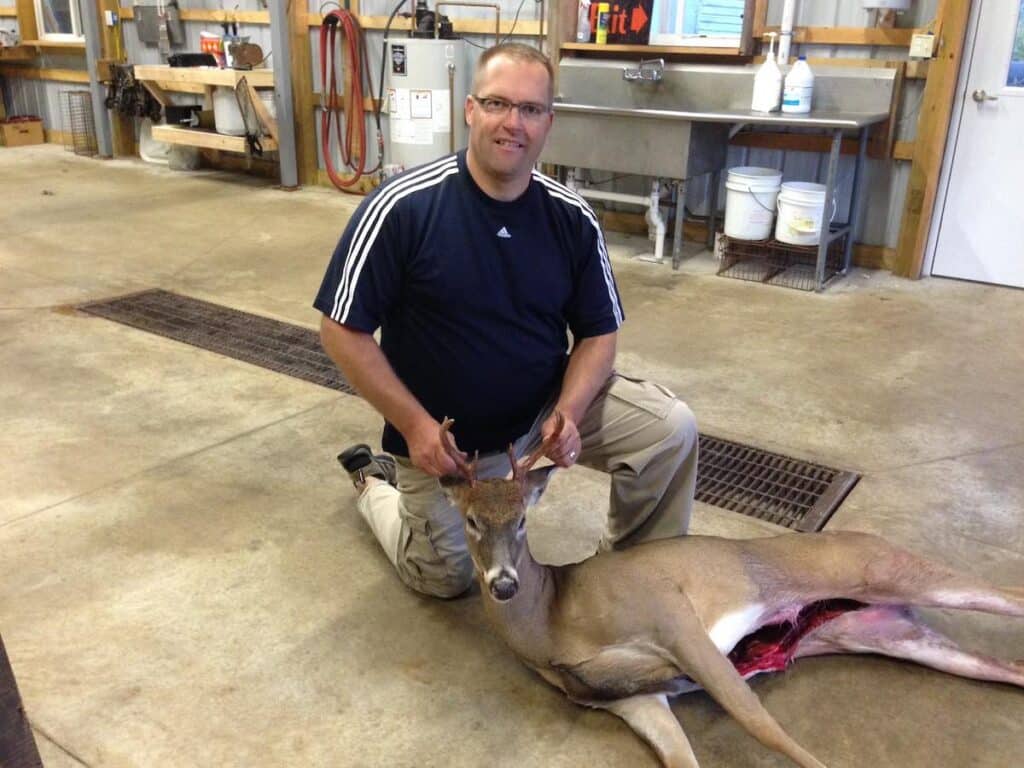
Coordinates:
9	10
267	122
917	69
158	93
930	143
640	50
903	150
760	19
795	142
523	27
57	75
197	14
194	137
301	70
899	38
25	10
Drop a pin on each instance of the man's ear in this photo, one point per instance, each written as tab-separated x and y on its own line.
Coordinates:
536	482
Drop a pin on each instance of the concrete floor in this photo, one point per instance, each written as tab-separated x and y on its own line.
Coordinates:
184	580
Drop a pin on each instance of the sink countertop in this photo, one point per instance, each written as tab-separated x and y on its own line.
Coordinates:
814	119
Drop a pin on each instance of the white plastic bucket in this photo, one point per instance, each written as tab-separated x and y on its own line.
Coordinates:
227	117
750	195
801	210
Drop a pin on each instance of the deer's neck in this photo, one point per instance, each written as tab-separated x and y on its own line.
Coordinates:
524	621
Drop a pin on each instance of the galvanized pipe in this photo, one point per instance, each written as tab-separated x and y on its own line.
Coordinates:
93	53
281	39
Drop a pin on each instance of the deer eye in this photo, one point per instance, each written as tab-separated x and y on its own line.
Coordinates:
472	524
522	524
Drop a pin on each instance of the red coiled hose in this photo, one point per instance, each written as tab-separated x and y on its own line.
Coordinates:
353	150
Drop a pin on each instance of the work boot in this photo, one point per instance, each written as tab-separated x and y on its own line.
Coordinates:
361	463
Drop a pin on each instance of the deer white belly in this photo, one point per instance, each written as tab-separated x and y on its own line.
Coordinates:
734	626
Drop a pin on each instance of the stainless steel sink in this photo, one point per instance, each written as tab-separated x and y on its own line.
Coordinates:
676	125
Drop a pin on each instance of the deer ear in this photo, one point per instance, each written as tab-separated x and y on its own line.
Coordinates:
536	482
454	488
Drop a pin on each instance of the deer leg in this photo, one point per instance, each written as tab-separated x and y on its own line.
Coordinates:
653	721
894	576
895	631
701	660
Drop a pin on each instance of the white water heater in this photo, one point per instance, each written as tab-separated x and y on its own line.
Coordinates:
426	82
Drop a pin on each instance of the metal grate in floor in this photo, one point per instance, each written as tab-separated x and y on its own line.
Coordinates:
769	486
741	478
281	347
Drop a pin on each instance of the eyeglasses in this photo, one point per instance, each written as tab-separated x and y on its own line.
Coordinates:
529	111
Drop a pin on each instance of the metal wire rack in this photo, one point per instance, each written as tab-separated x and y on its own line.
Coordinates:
79	126
777	263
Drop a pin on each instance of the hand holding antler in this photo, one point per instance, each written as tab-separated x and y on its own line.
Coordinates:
431	452
562	443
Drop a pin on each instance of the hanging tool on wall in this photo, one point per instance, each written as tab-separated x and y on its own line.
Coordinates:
353	145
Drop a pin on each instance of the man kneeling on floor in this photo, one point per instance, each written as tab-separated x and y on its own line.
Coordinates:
473	267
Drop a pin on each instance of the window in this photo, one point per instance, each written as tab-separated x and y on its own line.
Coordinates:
700	23
59	20
1015	75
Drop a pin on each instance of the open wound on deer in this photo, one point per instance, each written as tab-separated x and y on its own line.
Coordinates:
623	630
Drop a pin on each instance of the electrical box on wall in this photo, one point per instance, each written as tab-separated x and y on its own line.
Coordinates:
922	46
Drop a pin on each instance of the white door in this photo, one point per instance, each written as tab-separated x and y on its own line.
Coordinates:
981	231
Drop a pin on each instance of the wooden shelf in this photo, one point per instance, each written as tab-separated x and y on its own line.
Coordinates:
195	137
62	45
681	50
258	78
17	53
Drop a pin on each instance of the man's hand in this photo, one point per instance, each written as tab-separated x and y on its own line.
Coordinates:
427	452
564	449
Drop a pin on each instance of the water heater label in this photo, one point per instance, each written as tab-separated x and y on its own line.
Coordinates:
398	60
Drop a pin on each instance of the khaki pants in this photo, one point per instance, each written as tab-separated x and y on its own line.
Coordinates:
636	431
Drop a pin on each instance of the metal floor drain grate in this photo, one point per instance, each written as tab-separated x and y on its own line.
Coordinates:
769	486
281	347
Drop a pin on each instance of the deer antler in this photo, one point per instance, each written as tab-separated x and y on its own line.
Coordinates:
466	469
520	468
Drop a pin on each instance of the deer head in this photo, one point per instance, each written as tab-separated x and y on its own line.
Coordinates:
494	512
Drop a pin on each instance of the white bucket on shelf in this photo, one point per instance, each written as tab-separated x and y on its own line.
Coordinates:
227	117
750	195
801	210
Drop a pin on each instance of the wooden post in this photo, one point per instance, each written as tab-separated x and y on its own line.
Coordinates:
300	69
27	29
17	745
123	126
930	141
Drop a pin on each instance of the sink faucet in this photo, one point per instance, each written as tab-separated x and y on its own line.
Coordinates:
649	70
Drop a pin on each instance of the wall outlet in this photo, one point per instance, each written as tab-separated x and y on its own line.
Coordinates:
110	18
922	46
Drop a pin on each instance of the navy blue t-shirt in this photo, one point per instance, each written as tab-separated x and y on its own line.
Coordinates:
473	296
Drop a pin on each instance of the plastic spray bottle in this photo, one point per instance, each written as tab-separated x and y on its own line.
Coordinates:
583	22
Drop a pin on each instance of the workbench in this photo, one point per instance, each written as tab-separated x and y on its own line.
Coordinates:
158	79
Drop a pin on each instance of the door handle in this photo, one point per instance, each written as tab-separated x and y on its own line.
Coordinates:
980	96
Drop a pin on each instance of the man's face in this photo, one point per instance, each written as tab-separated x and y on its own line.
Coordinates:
506	145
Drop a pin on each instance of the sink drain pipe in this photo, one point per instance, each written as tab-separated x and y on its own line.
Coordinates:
652	202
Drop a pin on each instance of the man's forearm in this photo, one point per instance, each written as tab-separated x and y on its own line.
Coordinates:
360	358
590	365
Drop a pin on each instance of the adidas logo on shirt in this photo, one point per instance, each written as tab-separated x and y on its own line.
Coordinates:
504	233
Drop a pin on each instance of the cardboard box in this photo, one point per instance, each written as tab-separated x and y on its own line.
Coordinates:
19	132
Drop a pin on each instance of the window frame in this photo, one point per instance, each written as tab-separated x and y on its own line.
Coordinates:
76	35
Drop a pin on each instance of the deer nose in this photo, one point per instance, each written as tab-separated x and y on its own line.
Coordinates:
504	586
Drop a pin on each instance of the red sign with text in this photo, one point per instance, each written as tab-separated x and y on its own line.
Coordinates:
629	21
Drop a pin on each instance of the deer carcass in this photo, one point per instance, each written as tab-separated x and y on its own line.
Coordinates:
624	630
